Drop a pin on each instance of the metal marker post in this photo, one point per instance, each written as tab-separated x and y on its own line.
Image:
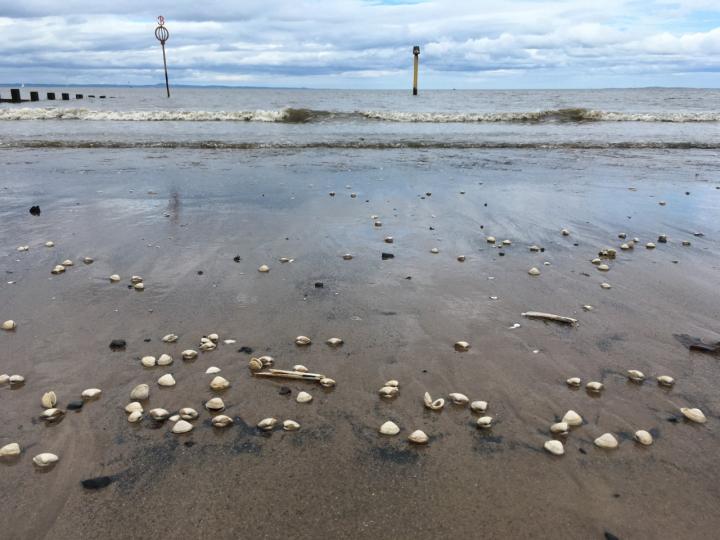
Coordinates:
416	53
162	35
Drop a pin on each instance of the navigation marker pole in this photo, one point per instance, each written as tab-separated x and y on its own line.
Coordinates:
416	53
162	35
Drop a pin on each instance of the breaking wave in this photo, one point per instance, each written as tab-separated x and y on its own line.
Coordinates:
301	115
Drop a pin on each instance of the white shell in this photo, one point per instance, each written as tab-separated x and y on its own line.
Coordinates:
572	418
334	341
136	279
389	239
389	391
462	346
159	414
140	393
302	341
67	262
222	420
187	413
264	269
534	271
219	383
133	407
560	428
606	440
389	428
170	338
174	418
594	386
606	286
114	278
215	404
164	360
88	260
166	380
9	325
255	364
485	422
458	398
565	232
635	375
135	416
290	425
181	426
208	346
650	245
479	406
434	250
665	380
148	361
694	415
16	379
214	338
603	267
490	239
52	415
507	242
212	370
393	382
433	404
139	286
57	269
9	450
554	447
189	354
49	243
574	382
303	397
49	400
327	382
267	424
91	393
45	459
643	437
300	368
418	437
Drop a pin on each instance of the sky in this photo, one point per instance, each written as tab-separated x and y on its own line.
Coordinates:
365	43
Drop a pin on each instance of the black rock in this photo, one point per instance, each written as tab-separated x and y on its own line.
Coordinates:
672	419
285	391
582	450
501	254
97	483
75	405
237	258
319	285
386	256
200	272
610	536
147	340
189	444
408	277
118	345
35	210
246	350
432	228
428	194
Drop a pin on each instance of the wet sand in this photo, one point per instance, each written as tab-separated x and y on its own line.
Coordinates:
169	216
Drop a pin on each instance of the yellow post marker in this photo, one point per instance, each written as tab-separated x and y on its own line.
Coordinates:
416	53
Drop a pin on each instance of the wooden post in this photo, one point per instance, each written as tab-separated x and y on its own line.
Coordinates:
15	95
416	54
78	96
51	96
34	96
66	96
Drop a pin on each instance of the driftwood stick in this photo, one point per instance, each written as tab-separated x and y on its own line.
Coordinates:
284	374
549	317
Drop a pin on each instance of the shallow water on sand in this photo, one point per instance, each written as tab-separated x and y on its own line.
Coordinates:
169	215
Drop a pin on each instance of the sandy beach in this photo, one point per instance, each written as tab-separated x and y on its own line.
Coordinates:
180	218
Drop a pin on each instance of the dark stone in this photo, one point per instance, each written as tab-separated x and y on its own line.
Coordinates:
432	228
237	258
687	193
147	340
699	234
408	277
542	250
35	210
485	204
319	285
285	391
246	350
582	450
672	419
386	256
610	536
697	344
75	405
200	272
189	444
118	345
501	254
428	194
97	483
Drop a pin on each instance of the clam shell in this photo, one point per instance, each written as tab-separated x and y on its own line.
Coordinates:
212	370
302	341
418	437
187	413
57	269
148	361
603	267
479	406
290	425
9	325
181	426
170	338
159	414
506	242
267	424
665	380
490	239
91	393
650	245
49	400
565	232
215	404
389	239
164	360
45	459
16	379
594	386
334	341
136	279
303	397
462	346
135	416
52	415
572	418
189	354
267	361
389	428
255	364
133	407
643	437
694	415
461	258
458	398
300	368
434	405
114	278
140	393
560	428
139	286
347	257
393	382
534	271
574	382
434	250
554	447
606	440
208	346
166	380
389	391
49	243
221	421
485	422
67	262
10	450
635	375
214	338
219	383
606	285
327	382
88	260
174	418
264	269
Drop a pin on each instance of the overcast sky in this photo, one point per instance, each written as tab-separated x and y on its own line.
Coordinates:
365	44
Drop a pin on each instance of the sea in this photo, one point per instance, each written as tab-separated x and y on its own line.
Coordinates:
243	118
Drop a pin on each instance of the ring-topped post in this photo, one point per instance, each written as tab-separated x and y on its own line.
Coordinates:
162	35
